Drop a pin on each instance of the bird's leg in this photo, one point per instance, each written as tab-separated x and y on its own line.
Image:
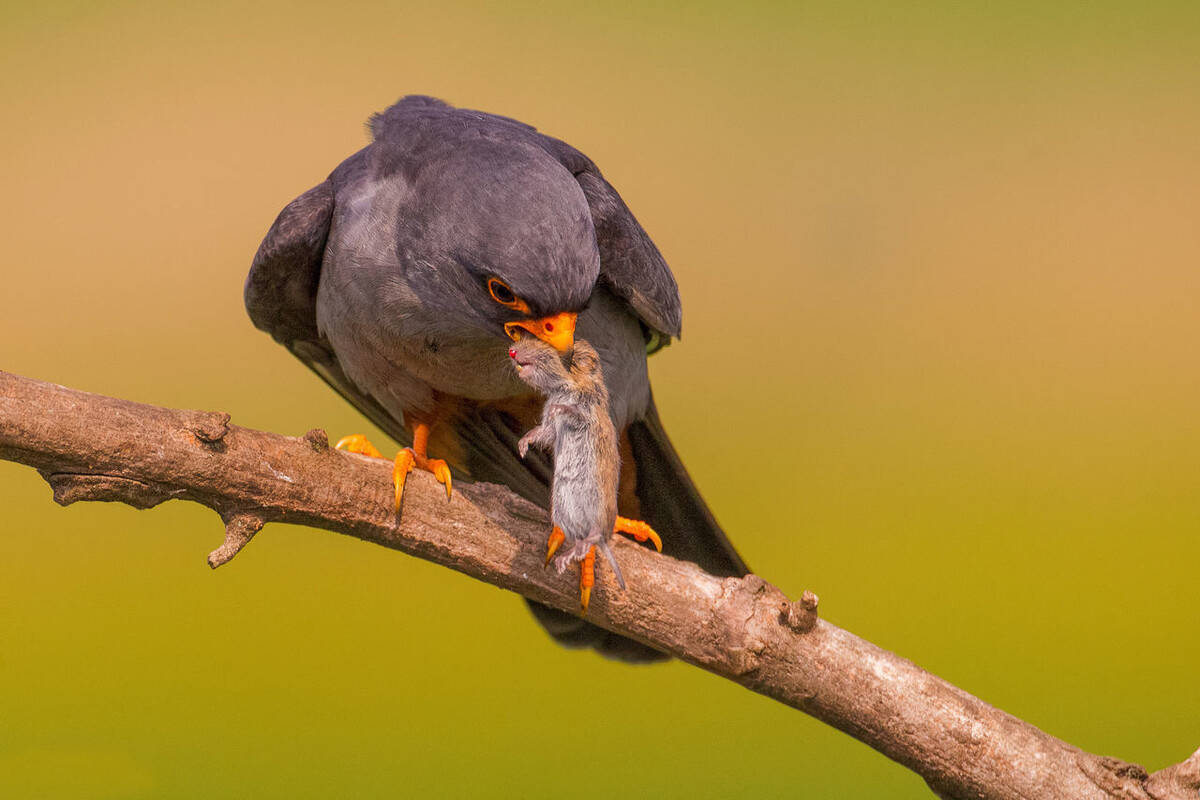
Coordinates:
406	459
415	456
587	577
638	530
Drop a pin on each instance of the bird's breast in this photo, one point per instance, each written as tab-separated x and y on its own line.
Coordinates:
475	370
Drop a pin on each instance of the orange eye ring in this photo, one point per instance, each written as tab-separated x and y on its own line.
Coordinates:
505	296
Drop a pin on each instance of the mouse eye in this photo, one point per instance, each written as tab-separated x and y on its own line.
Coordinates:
503	295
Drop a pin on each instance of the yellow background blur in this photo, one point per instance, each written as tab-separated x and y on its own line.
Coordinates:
941	280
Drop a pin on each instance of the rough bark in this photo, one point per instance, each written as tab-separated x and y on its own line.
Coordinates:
91	447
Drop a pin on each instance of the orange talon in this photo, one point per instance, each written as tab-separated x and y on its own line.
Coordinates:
441	471
638	530
403	465
357	443
587	577
407	460
435	465
556	538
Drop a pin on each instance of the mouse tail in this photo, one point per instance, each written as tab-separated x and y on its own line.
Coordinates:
603	547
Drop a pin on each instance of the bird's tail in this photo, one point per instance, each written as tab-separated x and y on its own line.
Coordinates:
673	506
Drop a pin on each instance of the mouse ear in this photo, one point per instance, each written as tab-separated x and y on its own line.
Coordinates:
584	357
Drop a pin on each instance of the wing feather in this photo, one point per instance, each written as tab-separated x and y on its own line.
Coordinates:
630	263
281	297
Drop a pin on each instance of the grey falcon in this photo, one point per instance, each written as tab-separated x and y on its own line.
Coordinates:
401	278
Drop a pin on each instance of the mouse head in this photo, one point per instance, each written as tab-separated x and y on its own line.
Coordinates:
539	365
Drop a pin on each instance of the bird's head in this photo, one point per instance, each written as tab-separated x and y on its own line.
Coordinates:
517	247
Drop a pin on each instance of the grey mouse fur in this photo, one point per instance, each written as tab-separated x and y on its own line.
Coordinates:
577	429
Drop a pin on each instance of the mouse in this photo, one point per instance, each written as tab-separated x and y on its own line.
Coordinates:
577	430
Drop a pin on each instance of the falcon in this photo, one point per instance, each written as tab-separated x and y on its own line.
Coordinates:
403	277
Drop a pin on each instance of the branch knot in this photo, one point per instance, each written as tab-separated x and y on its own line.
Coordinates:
240	528
317	439
209	427
801	615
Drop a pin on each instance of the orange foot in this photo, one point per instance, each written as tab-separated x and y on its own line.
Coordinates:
556	538
406	459
587	569
638	530
587	577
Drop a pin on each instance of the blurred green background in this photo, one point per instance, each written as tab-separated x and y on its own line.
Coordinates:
941	272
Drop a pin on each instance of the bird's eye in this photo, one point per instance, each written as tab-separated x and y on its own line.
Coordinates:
501	293
505	296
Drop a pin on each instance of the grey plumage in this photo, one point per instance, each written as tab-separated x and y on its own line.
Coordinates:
576	428
376	278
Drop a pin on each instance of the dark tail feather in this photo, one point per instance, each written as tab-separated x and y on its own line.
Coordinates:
570	631
673	506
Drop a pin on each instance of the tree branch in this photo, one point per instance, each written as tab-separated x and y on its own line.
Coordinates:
90	447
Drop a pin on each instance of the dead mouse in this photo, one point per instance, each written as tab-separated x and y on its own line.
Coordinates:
577	429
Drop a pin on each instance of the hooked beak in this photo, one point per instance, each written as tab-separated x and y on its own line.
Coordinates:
557	331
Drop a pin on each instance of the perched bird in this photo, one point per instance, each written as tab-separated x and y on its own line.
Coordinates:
402	278
577	429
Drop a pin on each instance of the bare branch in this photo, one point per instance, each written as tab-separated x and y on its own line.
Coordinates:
91	447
